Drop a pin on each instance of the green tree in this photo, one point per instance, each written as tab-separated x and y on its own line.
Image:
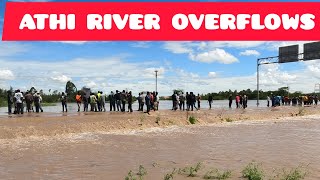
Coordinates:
32	90
71	90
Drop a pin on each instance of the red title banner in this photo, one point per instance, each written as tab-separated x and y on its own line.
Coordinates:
61	21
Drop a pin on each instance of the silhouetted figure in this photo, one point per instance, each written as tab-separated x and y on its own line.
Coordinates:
129	97
10	101
63	100
210	99
230	100
112	101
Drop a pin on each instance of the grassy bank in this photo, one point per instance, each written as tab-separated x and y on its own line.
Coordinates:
253	171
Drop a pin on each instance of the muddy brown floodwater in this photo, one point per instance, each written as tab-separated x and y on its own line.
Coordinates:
287	142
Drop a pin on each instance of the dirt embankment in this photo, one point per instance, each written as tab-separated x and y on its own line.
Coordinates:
47	124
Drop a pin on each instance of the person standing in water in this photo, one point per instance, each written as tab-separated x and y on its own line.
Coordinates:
198	100
118	100
78	100
63	100
230	101
129	97
245	101
148	102
210	99
182	100
102	102
18	98
10	101
93	102
112	101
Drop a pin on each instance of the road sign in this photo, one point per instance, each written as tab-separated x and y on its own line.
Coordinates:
289	54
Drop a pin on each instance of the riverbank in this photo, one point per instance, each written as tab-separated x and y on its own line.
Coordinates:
53	124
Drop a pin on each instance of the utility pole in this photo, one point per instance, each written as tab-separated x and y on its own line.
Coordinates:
156	71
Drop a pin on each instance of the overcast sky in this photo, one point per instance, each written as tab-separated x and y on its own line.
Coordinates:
200	67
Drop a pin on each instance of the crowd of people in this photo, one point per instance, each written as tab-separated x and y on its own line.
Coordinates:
18	100
191	101
241	101
186	101
117	100
122	101
274	100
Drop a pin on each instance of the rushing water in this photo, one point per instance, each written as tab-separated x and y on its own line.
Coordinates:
285	143
162	105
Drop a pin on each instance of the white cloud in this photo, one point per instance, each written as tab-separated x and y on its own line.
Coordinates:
212	74
272	77
6	74
177	47
61	78
207	52
12	48
142	44
97	74
250	53
216	55
91	84
235	44
71	42
313	67
113	73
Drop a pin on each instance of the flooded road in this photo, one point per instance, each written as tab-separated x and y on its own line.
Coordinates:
163	105
289	142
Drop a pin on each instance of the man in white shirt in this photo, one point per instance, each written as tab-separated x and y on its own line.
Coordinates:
18	98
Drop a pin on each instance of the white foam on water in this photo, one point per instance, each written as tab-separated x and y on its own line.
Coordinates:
150	131
24	143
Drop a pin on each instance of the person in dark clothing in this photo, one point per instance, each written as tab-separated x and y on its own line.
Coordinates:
230	100
123	98
63	100
37	102
10	101
148	102
85	101
129	98
112	101
245	101
210	99
273	100
192	101
188	101
118	100
316	99
173	97
29	100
